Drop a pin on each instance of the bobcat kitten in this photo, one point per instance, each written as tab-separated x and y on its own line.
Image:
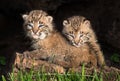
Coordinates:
53	47
37	25
78	31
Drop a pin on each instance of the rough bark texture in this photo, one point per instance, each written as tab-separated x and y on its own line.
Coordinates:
30	60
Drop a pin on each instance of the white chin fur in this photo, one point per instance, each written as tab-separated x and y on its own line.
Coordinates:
36	37
77	45
42	36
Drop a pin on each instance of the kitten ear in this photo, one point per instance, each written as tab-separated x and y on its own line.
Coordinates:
49	18
87	23
24	16
65	22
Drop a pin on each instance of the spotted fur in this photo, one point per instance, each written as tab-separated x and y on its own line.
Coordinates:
78	31
37	24
52	43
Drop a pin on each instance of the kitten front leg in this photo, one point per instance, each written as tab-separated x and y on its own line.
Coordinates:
95	49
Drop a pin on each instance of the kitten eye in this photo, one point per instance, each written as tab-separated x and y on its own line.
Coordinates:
29	26
81	35
66	34
71	35
41	25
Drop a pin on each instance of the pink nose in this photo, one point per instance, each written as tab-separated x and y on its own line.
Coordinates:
76	43
35	31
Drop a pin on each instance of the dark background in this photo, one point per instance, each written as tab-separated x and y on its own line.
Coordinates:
103	14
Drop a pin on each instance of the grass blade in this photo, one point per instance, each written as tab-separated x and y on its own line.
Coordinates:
3	78
83	73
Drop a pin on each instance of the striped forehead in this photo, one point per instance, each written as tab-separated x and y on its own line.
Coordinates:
37	15
75	24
